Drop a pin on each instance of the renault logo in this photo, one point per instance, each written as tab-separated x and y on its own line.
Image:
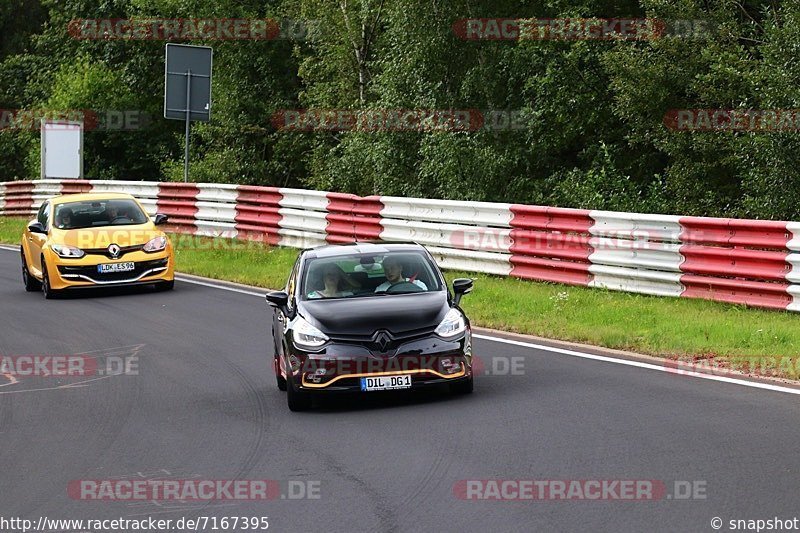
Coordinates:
382	339
113	251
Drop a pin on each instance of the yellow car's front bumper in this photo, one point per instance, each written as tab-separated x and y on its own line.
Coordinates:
83	273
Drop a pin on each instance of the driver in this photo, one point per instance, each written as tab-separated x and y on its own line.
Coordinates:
112	212
393	269
64	218
117	213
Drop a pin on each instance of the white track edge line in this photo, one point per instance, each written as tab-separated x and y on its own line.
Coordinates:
639	364
219	286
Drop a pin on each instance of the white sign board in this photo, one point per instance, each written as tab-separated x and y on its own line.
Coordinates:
62	150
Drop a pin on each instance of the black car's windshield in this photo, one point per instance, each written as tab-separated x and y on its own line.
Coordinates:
89	214
360	275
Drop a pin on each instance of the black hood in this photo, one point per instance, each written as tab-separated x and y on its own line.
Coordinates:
362	316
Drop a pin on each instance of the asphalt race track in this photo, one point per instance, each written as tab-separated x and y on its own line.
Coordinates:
204	405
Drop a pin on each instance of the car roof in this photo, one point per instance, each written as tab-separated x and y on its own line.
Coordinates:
336	250
90	197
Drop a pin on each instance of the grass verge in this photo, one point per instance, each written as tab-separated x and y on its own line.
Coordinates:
668	327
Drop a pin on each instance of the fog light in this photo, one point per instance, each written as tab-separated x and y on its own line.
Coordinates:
316	376
450	366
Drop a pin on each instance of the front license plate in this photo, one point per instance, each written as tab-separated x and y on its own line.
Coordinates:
115	267
386	383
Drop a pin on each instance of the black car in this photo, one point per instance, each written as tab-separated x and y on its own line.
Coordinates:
368	317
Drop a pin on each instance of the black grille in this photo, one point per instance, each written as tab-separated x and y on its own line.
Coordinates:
396	337
384	342
92	273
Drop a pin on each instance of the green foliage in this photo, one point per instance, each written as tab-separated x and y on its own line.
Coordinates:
590	131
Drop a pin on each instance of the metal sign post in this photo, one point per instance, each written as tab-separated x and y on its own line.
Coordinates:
188	121
187	88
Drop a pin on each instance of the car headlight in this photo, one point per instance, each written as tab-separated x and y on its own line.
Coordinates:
307	335
155	245
452	325
67	252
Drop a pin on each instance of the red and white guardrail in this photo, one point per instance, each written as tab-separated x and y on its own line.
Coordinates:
749	262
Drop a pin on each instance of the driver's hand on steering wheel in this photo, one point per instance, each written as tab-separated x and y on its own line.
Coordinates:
388	287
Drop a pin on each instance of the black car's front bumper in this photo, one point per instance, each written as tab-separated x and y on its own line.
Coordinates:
339	367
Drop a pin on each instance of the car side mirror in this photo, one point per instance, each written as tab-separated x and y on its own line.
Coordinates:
160	219
36	227
279	300
461	286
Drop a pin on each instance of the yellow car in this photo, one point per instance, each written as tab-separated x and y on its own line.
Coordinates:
95	240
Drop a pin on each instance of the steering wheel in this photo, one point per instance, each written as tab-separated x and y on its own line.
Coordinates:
404	286
118	217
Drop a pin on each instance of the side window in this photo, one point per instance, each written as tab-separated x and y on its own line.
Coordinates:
292	283
47	217
40	218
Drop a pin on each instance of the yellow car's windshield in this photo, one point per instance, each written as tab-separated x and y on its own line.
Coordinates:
90	214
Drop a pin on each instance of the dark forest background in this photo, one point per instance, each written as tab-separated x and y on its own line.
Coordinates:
593	134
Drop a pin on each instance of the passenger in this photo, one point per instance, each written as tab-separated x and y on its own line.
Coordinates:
334	279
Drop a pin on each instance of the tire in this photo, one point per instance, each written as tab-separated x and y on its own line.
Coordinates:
463	387
165	286
298	400
281	380
276	363
31	284
49	293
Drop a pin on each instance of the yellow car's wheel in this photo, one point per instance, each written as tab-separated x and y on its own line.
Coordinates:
49	292
165	286
31	284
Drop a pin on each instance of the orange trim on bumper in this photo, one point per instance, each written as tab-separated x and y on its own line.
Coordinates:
459	374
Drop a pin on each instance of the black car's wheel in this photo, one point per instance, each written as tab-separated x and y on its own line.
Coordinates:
31	284
297	400
462	387
49	292
276	363
281	380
